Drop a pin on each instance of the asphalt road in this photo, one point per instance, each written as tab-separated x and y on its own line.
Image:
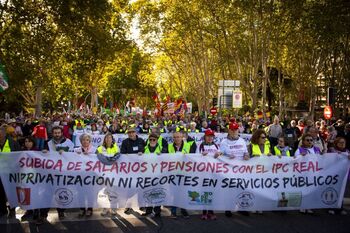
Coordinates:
291	222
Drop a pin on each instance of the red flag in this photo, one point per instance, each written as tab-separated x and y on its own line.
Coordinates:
155	97
185	105
104	102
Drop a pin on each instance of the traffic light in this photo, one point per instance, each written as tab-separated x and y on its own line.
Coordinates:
215	101
331	95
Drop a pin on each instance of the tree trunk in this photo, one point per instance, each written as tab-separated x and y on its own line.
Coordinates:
38	101
94	100
280	95
312	103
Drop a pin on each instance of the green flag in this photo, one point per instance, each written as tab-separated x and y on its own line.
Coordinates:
3	79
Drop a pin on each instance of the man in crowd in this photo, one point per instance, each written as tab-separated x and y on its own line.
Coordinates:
60	144
132	145
274	131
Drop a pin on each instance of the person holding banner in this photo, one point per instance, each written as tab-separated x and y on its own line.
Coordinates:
281	149
234	147
339	148
60	144
29	145
86	148
179	146
7	144
161	141
208	147
132	145
108	152
307	147
259	144
153	146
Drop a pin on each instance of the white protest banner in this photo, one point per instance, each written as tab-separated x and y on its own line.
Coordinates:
97	140
192	181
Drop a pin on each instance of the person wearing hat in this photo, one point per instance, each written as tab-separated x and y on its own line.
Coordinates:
132	145
209	148
234	147
153	146
161	141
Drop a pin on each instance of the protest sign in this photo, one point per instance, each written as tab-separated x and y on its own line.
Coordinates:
192	181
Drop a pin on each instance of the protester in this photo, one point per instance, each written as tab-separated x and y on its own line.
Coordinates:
132	145
40	134
178	146
29	145
7	144
317	140
340	149
108	149
60	144
209	148
154	147
274	131
281	149
307	148
290	136
234	146
259	144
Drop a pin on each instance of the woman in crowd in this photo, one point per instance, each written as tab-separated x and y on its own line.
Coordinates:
259	144
113	128
307	148
108	151
209	148
104	130
86	148
29	145
94	129
281	149
339	148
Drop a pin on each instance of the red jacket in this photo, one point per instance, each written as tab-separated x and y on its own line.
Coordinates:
40	132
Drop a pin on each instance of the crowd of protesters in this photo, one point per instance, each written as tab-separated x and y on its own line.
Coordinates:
296	137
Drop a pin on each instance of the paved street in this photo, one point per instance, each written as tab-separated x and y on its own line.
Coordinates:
268	222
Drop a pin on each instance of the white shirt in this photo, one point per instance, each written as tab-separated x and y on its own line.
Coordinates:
236	148
210	149
91	150
66	145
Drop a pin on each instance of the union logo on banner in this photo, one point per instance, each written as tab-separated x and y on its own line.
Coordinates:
23	195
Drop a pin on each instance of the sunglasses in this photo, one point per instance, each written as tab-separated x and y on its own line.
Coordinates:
263	137
153	139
